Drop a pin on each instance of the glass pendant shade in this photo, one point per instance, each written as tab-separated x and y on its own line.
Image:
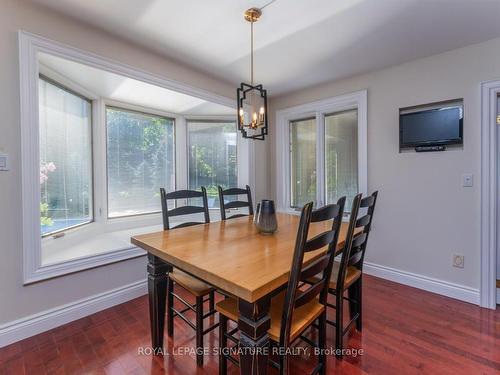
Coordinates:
252	111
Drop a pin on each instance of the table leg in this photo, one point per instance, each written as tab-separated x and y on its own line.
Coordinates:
254	322
157	289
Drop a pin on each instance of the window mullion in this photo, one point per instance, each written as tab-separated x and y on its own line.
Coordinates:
99	162
320	159
181	153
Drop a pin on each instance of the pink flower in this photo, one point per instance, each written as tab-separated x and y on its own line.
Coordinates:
45	169
51	167
43	178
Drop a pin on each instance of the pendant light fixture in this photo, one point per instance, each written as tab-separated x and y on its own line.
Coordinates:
251	98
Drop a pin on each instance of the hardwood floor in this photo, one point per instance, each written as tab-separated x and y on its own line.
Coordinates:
406	331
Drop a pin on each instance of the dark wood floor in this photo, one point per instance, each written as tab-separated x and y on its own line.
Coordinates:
406	331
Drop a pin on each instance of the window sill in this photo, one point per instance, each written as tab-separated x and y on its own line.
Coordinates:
87	250
98	245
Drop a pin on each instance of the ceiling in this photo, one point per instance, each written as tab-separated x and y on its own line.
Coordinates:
112	86
298	43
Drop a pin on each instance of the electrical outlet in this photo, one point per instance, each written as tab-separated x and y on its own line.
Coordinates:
458	261
4	162
467	180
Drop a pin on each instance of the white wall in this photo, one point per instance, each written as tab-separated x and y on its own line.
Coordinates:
424	215
18	301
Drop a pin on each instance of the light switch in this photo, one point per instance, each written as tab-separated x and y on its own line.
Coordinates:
4	162
467	180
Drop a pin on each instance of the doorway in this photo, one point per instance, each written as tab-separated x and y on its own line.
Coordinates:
490	145
498	202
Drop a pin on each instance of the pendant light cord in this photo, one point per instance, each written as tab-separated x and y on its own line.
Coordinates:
251	53
251	42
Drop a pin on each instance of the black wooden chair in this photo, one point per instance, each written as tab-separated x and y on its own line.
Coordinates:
195	287
346	274
226	205
297	308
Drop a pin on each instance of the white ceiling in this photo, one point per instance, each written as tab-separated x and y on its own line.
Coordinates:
109	85
298	43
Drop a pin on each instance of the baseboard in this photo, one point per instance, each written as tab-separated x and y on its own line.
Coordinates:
29	326
498	292
429	284
26	327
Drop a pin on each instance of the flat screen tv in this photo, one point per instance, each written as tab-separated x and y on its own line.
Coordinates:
432	127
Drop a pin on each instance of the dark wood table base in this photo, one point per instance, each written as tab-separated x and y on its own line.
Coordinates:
157	290
253	324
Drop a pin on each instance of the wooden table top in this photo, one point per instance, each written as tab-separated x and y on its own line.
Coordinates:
231	255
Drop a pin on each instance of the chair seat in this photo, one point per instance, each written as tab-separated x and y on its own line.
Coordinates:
351	276
194	286
303	316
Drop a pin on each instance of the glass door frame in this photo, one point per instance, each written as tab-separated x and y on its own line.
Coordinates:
318	110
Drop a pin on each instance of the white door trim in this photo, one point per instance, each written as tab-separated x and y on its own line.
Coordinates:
355	100
489	175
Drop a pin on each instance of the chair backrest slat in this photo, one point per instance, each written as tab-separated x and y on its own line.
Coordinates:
235	191
308	295
359	240
354	258
187	224
314	268
319	241
234	204
320	268
184	194
325	213
363	220
368	201
183	210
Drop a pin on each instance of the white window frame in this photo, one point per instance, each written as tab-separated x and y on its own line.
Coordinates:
242	153
62	82
30	46
103	155
318	110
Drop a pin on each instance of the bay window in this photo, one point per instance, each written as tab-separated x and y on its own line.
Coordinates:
95	154
322	152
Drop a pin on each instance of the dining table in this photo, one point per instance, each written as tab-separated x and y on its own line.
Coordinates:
234	258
